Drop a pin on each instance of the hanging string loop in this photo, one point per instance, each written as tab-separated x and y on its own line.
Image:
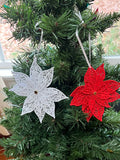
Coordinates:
81	45
41	37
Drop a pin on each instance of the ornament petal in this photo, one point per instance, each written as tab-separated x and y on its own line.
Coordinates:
21	89
114	96
40	113
28	105
48	76
109	86
50	109
35	69
85	109
54	94
24	84
79	100
76	102
98	111
77	91
90	76
103	96
20	77
103	102
89	116
43	79
89	89
100	73
91	103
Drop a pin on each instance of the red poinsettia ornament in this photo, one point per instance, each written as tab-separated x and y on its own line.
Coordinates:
96	93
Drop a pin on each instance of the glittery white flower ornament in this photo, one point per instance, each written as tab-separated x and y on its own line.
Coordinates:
40	98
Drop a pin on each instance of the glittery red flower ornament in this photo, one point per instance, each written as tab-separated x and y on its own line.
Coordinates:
96	93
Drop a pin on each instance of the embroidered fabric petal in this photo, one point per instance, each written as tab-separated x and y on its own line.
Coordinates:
40	114
90	76
78	90
114	97
98	111
23	86
86	110
49	109
35	69
91	103
96	94
100	73
102	102
40	99
79	100
54	94
20	77
41	77
110	86
48	77
29	105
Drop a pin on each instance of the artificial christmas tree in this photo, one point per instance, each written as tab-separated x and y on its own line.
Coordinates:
65	135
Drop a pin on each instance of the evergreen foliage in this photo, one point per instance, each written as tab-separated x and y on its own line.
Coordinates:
68	136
